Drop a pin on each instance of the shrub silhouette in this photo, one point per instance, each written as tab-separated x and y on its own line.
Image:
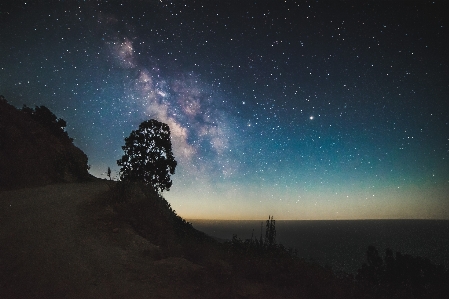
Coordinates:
44	116
148	156
403	275
270	232
262	246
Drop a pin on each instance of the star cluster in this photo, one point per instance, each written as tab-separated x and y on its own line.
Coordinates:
301	109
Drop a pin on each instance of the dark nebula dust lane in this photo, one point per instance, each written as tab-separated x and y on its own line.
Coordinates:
301	109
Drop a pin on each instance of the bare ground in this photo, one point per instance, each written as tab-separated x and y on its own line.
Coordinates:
57	241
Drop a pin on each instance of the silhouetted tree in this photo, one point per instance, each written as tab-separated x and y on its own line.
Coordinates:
148	156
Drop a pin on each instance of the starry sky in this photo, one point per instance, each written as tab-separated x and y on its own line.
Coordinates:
297	109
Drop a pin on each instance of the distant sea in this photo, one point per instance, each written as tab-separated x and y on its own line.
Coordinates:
342	244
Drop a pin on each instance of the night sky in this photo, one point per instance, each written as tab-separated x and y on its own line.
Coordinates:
301	110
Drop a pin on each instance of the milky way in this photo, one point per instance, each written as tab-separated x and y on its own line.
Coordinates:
309	110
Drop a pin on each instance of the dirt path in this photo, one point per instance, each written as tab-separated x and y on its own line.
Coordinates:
57	242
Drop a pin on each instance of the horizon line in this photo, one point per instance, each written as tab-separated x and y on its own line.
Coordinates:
366	219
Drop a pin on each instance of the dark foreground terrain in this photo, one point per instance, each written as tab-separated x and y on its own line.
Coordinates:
91	240
67	241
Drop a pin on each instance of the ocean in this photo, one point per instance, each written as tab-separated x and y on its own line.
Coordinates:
342	244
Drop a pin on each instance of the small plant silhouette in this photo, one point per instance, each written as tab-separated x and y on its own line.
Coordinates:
108	173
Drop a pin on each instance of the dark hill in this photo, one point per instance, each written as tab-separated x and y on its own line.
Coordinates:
33	153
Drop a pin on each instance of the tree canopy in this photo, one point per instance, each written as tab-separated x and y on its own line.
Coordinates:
148	156
44	116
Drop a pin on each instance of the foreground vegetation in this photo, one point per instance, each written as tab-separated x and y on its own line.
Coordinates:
227	264
263	262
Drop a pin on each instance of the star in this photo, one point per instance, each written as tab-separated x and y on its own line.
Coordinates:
236	83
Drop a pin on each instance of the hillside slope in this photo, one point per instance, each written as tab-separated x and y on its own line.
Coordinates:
58	242
66	241
32	154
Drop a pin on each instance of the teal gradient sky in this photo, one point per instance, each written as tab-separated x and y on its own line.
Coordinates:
301	110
